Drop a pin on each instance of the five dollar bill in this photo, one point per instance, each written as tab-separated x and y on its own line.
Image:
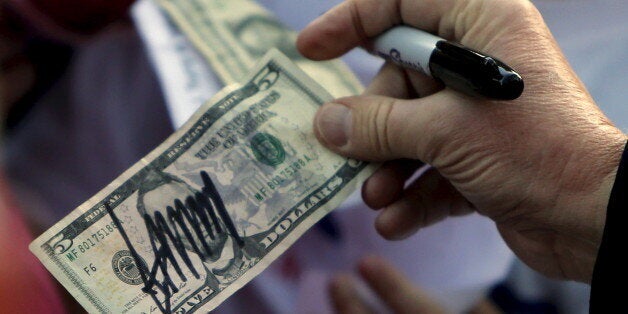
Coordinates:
211	207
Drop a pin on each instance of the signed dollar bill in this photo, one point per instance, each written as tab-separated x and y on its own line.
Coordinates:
211	207
233	34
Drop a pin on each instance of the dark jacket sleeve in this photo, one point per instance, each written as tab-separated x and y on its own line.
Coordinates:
609	285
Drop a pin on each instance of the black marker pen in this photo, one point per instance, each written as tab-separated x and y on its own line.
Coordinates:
458	67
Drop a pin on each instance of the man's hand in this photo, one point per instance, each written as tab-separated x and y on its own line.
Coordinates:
541	166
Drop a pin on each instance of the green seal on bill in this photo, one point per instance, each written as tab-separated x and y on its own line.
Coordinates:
125	268
268	149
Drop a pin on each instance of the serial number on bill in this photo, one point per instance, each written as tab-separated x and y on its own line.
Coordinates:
90	242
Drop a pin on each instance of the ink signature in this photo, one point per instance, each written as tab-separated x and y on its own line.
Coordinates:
200	225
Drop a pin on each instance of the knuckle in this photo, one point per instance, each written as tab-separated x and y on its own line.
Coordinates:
356	19
377	134
435	135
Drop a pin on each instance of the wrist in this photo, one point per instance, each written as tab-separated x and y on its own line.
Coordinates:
583	204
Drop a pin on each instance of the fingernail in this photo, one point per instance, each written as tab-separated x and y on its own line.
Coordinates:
334	124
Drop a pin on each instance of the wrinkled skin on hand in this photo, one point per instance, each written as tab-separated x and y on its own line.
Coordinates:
541	166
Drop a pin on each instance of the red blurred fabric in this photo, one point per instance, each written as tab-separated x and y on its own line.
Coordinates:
25	286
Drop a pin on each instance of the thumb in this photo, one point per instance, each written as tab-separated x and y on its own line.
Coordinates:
378	128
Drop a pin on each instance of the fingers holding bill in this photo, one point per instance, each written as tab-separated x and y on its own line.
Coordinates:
380	128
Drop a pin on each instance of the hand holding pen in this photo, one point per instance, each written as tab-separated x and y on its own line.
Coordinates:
543	162
456	66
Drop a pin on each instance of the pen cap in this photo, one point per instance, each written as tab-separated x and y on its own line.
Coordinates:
473	73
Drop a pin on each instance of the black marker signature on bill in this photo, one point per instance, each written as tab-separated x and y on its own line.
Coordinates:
195	225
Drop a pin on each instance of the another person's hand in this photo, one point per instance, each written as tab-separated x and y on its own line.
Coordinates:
390	286
541	166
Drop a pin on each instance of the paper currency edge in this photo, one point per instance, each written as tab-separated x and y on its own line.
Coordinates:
177	16
195	38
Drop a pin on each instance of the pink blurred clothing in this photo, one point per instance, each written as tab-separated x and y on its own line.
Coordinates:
25	286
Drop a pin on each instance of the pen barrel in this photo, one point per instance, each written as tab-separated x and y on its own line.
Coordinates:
408	47
456	66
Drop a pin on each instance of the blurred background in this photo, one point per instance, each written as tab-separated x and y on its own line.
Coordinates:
84	91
